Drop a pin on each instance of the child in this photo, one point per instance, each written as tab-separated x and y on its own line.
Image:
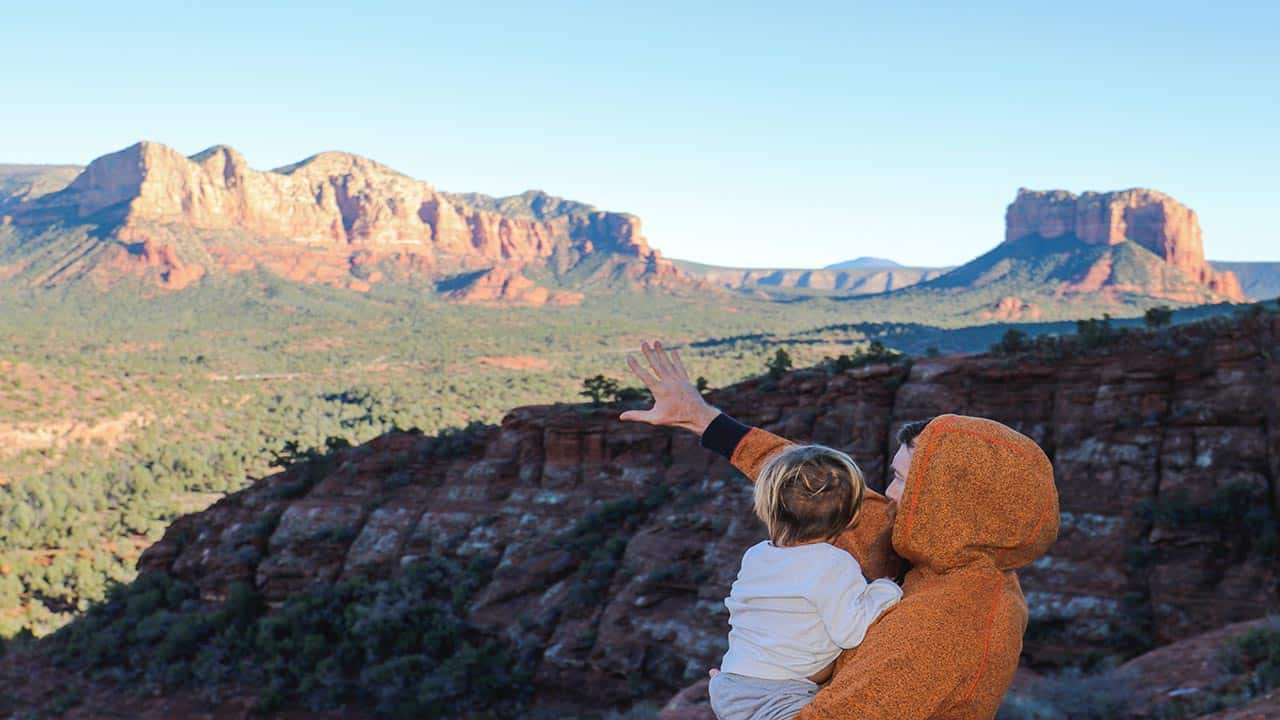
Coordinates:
798	600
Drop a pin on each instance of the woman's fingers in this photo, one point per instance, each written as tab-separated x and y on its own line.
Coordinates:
665	368
675	360
652	356
649	381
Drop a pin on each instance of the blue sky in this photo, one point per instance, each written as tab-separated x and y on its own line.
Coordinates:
774	135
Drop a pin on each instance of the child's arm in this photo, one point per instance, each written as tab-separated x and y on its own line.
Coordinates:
848	604
823	675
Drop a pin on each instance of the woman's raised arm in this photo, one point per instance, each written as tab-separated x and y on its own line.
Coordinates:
677	403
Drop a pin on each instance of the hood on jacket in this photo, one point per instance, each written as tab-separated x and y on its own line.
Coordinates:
978	493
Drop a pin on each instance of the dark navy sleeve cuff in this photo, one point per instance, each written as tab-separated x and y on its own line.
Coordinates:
723	435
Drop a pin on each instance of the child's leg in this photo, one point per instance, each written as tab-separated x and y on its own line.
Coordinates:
738	697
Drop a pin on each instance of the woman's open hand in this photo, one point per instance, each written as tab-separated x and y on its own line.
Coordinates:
676	402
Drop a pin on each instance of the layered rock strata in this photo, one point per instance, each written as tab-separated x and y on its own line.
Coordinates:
213	206
1166	450
1149	218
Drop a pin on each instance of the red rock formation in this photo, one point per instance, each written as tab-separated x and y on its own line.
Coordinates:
1187	679
1172	420
1012	309
509	287
333	203
138	256
1149	218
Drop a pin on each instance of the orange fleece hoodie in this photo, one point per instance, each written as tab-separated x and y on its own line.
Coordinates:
980	502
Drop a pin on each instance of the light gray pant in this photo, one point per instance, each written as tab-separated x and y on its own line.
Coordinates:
738	697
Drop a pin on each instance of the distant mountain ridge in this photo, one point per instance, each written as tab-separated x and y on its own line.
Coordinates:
333	218
866	280
343	220
1259	280
863	262
19	183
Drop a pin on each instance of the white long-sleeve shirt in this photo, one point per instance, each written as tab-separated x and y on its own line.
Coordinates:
793	609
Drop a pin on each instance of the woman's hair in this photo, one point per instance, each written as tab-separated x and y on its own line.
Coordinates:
908	433
808	493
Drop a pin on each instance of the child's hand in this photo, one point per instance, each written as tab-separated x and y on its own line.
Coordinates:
676	402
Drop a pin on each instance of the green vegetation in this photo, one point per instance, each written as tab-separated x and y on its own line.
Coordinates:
120	411
1257	655
1070	695
1252	661
1158	317
874	353
1238	518
1013	342
598	389
779	364
400	645
1238	515
1095	333
598	540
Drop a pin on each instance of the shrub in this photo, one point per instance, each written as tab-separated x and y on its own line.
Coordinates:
599	539
315	465
599	388
1095	333
454	441
1158	317
1072	695
1257	653
1237	513
779	364
401	646
1014	341
631	394
874	354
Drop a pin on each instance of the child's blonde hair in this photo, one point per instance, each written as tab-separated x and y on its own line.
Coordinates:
808	493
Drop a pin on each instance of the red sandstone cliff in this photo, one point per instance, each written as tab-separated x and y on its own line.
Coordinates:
1149	218
309	220
1144	435
1166	450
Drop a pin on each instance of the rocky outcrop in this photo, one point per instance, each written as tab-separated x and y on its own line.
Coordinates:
1149	218
1012	309
613	544
500	285
175	274
231	217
